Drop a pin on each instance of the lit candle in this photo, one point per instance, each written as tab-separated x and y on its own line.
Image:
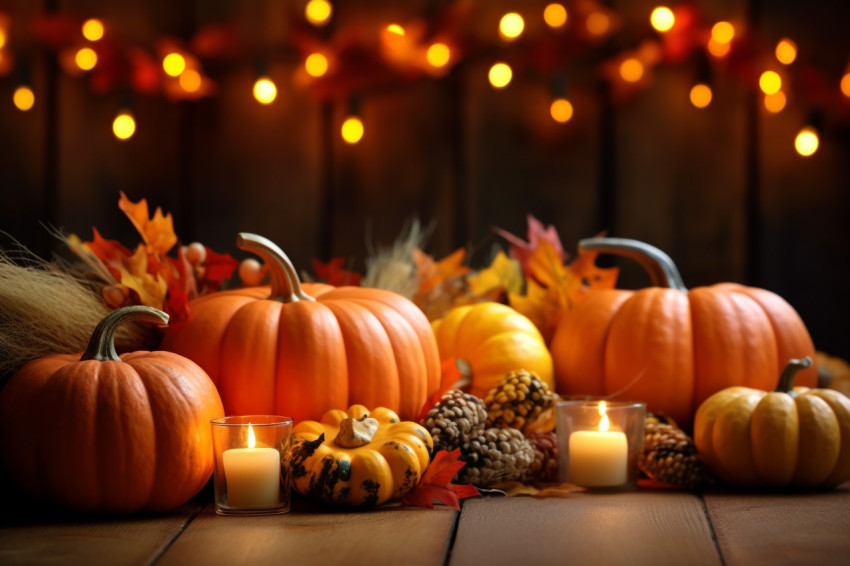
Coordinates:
598	458
252	475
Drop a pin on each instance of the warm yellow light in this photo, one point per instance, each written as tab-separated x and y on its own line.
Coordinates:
555	15
806	142
786	51
701	95
352	129
845	84
395	29
770	82
561	110
86	58
722	32
598	23
318	12
93	29
775	103
265	90
190	80
316	64
2	38
438	55
500	75
24	98
124	126
173	64
631	70
511	25
718	48
662	19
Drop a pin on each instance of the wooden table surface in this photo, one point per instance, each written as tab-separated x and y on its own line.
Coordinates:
654	527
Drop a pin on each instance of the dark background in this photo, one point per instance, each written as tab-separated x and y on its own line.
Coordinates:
720	189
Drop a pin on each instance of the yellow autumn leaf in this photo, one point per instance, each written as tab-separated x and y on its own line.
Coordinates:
541	305
503	273
134	274
157	232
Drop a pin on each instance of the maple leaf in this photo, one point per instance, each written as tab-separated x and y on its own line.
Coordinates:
150	288
522	250
217	268
157	232
433	274
333	273
543	306
503	273
589	276
436	483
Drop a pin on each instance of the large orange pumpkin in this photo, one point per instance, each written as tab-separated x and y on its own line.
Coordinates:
301	350
99	433
672	347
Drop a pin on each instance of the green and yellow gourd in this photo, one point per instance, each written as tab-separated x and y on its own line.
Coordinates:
358	457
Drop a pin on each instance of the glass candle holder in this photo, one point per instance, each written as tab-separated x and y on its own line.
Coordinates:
249	475
599	443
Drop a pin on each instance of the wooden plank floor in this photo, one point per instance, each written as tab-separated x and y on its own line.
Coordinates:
657	528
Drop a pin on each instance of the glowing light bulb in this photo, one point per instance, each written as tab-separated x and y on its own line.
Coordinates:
845	84
786	51
173	64
124	126
316	64
2	38
352	129
631	70
561	110
662	19
806	143
555	15
265	90
190	80
722	32
770	82
718	48
701	95
318	12
24	98
500	75
438	55
598	23
86	58
395	29
511	25
775	103
93	29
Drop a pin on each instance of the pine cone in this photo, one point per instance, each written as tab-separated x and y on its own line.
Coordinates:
496	455
455	419
670	455
544	468
518	401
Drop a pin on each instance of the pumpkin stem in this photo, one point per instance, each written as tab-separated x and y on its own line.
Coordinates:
786	379
102	342
354	433
657	264
285	283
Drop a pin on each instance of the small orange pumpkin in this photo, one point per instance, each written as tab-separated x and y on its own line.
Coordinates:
301	350
673	347
102	433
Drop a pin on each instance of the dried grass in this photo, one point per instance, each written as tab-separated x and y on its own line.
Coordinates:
394	268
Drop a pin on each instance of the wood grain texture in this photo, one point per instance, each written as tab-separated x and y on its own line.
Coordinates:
389	535
71	542
611	529
782	529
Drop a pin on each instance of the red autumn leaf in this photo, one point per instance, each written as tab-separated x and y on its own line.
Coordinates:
537	234
217	269
437	483
334	274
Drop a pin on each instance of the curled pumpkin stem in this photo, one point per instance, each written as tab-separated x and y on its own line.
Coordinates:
354	433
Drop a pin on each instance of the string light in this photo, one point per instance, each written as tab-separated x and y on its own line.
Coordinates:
845	84
511	25
561	110
555	15
2	37
92	29
662	19
318	12
631	70
24	98
173	64
500	75
775	103
720	43
806	143
265	91
770	82
786	51
396	29
190	80
352	129
124	125
438	55
316	64
85	58
701	95
598	23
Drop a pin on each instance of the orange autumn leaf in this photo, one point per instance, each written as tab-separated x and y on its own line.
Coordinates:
432	274
157	232
543	306
590	276
503	273
150	287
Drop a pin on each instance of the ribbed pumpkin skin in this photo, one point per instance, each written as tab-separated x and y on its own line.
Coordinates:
494	340
113	437
303	358
673	349
386	468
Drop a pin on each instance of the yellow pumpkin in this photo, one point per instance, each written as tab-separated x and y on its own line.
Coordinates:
796	437
358	457
492	340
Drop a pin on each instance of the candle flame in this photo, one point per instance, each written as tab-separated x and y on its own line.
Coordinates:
252	441
603	421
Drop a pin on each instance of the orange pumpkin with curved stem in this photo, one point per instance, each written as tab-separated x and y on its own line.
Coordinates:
673	347
303	349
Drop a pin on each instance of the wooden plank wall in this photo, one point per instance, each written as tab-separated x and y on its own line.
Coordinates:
721	190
